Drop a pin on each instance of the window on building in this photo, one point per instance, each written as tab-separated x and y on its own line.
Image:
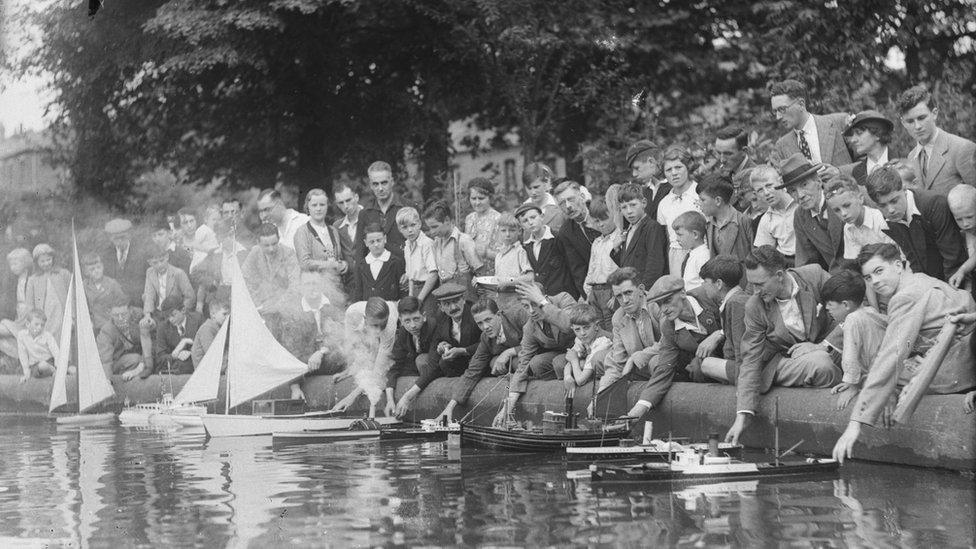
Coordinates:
510	184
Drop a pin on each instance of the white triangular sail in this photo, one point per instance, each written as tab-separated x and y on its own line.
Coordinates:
93	385
205	381
257	362
59	393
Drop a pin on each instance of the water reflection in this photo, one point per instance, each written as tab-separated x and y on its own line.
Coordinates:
109	487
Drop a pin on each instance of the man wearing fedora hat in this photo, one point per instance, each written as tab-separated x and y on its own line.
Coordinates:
687	320
125	259
819	231
870	134
644	167
941	160
819	138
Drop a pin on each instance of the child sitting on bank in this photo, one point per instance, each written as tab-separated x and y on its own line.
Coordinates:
689	228
863	225
420	277
595	286
36	347
843	297
511	264
380	272
590	347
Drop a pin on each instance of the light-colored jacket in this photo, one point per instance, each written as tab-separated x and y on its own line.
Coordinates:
952	163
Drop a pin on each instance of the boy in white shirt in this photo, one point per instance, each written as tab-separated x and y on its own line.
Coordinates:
689	229
511	264
420	277
595	286
863	225
36	347
591	345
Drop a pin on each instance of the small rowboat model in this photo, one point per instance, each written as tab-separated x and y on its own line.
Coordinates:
430	430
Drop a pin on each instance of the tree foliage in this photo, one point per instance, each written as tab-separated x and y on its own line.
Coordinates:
250	92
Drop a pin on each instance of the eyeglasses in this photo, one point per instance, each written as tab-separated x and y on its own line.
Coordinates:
782	108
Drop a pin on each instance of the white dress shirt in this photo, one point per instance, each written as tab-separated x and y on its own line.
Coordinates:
673	205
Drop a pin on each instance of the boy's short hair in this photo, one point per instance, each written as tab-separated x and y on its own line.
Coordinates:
794	89
534	171
628	192
508	220
884	180
844	286
439	211
406	215
726	268
377	309
89	259
483	184
373	228
599	209
915	95
484	304
841	184
583	314
219	305
717	185
267	229
408	305
36	314
767	257
691	221
734	132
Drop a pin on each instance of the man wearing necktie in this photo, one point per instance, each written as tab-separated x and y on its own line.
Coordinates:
633	350
174	337
941	160
819	138
818	230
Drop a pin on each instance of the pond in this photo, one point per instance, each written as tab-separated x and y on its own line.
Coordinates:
141	487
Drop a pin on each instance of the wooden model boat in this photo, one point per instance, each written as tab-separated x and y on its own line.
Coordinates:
650	448
359	429
429	431
520	439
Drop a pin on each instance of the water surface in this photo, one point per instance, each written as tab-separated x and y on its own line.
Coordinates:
127	487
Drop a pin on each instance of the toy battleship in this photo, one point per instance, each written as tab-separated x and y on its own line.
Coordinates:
696	464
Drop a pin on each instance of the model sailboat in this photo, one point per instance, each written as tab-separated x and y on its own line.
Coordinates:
256	364
93	386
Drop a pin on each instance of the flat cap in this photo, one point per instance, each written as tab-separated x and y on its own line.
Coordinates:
637	149
665	287
869	115
526	207
796	170
118	225
448	291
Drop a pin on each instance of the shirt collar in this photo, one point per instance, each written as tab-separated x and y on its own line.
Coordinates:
928	146
696	309
728	296
692	188
373	260
731	218
344	222
309	309
546	235
871	165
549	201
809	126
911	209
820	211
796	290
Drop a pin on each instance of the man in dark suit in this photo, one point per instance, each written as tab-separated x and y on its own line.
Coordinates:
920	223
546	335
125	260
785	325
687	319
731	153
381	208
124	345
546	254
501	336
819	138
941	160
411	346
870	133
455	339
645	246
819	232
644	166
575	234
179	257
174	337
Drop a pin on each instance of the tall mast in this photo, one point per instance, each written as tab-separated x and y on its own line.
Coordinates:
776	429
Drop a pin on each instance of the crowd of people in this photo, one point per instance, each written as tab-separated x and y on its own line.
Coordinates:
833	265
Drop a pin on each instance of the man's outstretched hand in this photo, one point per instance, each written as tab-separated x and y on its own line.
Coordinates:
741	421
845	444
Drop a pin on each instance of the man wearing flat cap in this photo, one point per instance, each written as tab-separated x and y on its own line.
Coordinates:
786	324
125	260
642	161
870	134
456	337
687	320
819	231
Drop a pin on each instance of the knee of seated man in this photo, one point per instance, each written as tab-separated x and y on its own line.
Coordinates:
541	364
422	361
821	370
